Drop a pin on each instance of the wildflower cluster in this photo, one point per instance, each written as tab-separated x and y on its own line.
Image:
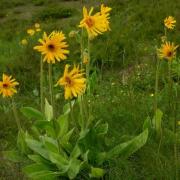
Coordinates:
31	32
168	49
47	144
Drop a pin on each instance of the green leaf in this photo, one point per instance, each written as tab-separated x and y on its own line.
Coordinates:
67	136
48	111
13	156
63	125
66	108
47	126
74	168
37	147
156	121
22	146
147	123
38	159
40	172
76	152
126	149
60	161
102	129
32	113
50	144
97	172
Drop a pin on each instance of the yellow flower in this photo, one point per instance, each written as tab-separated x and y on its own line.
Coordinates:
105	12
97	23
24	42
7	86
31	32
73	81
163	38
38	29
167	51
53	47
73	34
37	25
169	22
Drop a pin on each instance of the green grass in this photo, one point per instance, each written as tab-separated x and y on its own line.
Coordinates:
128	51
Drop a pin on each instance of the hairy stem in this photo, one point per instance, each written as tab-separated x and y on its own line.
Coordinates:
41	85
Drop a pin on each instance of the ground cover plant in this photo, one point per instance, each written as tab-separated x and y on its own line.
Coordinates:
89	89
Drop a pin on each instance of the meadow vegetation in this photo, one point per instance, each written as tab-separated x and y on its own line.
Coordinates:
123	76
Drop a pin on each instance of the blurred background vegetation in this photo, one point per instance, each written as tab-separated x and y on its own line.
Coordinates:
124	74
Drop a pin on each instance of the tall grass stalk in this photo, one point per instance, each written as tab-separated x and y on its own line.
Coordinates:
172	112
16	115
156	86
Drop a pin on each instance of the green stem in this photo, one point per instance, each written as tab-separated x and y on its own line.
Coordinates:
165	32
51	86
156	86
16	115
41	85
88	67
52	102
82	112
169	85
71	111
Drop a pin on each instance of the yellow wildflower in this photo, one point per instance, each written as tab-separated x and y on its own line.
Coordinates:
74	83
167	51
97	23
31	32
24	42
37	25
7	86
53	47
169	22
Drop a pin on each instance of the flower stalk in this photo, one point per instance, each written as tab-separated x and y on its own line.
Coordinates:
41	85
16	115
51	85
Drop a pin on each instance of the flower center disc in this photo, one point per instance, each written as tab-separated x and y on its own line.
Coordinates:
51	47
68	80
5	85
169	54
89	21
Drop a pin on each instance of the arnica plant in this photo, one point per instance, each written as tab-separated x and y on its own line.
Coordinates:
63	137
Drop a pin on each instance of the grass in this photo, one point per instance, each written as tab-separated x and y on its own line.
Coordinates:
122	94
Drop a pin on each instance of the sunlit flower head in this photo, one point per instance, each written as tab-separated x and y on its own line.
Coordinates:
37	25
53	47
97	23
24	42
167	51
73	34
169	22
8	86
38	29
31	32
163	39
73	81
